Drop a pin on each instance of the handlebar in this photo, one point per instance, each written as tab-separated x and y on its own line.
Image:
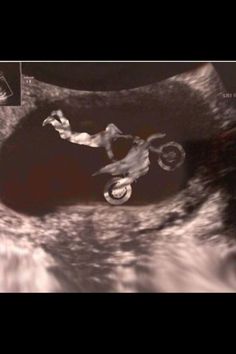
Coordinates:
149	139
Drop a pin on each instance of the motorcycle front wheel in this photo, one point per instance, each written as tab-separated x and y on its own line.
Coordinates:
116	194
171	156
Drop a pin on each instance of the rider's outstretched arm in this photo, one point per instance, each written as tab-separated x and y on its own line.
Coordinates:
62	126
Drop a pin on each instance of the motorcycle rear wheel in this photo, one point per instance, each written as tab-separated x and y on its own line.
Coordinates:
116	195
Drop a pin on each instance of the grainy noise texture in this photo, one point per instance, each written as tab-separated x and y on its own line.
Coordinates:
173	237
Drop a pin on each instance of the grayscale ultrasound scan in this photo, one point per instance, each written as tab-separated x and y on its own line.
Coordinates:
118	177
10	84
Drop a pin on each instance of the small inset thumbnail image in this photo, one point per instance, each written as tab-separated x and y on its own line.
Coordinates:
10	84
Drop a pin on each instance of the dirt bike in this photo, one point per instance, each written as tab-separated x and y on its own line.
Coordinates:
135	164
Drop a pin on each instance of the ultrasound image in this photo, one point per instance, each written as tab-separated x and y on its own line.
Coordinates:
10	84
177	231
